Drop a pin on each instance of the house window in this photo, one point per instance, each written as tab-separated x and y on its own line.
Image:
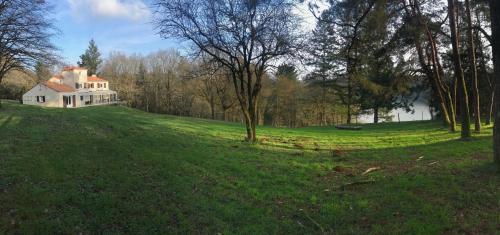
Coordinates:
40	99
104	85
85	85
81	98
77	85
91	85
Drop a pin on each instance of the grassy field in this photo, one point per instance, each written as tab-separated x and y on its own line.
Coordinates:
118	170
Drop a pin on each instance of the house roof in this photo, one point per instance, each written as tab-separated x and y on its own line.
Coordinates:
70	68
96	79
56	77
58	87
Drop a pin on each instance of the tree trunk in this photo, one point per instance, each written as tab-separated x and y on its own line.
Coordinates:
349	99
495	29
452	112
252	105
472	54
462	88
224	114
248	124
443	107
375	115
253	120
212	108
491	109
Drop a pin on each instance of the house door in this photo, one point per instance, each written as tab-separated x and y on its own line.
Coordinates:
74	101
65	101
68	102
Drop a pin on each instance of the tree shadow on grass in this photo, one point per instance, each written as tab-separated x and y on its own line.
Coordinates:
116	170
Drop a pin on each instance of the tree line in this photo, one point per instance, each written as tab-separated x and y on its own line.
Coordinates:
374	54
364	56
170	83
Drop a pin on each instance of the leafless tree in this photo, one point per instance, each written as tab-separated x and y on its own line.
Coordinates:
25	33
245	36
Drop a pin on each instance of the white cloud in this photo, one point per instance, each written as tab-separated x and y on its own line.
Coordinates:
129	9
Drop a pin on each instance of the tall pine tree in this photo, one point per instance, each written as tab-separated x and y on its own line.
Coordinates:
91	59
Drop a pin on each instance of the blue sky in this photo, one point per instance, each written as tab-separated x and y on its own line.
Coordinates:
115	25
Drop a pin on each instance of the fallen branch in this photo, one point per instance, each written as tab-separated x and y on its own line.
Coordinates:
371	170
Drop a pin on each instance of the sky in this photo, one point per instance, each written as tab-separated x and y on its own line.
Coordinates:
115	25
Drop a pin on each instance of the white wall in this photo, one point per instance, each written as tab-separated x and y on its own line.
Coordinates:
52	98
74	76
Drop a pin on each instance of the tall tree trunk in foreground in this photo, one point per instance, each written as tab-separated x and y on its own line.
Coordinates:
495	29
472	56
489	117
462	88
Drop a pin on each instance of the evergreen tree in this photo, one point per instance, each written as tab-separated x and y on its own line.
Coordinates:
326	71
287	71
91	59
385	83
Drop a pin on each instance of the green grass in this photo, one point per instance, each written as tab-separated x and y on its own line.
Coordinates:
118	170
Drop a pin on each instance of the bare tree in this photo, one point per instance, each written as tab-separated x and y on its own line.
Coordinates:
245	36
25	33
225	93
207	73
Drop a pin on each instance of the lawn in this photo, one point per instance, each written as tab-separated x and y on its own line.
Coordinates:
107	170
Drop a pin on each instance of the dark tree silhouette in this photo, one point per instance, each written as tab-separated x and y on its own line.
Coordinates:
495	29
25	33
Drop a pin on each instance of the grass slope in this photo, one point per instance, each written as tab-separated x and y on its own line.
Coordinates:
118	170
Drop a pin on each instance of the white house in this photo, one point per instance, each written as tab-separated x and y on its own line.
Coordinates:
71	89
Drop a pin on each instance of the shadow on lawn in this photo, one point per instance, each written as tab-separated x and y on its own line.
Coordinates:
119	170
